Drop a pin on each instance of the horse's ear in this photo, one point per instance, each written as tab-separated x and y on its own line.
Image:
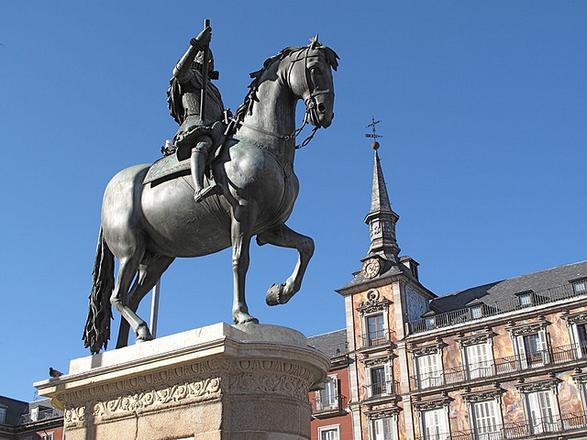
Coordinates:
314	43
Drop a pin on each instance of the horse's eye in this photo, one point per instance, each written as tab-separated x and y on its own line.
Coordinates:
315	70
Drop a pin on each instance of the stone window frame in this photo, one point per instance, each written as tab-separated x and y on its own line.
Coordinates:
526	388
391	413
433	404
526	294
483	396
335	426
518	331
374	304
370	363
573	320
318	397
427	350
483	337
47	435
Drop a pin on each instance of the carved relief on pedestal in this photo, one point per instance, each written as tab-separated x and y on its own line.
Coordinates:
205	381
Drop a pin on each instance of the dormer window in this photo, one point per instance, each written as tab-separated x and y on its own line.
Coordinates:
580	286
525	299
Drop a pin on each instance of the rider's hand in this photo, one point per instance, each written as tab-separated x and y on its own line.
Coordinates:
203	38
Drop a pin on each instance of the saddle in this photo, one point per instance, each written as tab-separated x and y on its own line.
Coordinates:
175	163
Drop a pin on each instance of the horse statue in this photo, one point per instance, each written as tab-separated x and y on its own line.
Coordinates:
147	226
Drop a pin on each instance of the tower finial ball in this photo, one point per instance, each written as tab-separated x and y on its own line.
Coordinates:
375	145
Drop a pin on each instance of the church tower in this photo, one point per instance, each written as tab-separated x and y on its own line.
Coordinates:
382	297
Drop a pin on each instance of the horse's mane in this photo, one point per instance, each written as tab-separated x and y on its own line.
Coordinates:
247	106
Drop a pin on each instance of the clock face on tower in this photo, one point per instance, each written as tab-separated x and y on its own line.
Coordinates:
371	268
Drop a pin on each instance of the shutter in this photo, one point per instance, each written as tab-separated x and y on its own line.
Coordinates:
388	378
473	361
368	382
318	400
534	412
576	341
522	352
334	395
543	346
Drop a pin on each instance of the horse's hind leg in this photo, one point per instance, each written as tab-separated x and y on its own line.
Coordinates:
127	270
148	276
283	236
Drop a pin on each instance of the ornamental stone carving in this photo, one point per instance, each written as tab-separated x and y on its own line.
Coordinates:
474	339
527	328
575	318
543	385
373	303
482	395
426	350
426	405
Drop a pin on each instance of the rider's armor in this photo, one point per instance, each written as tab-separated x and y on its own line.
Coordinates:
196	137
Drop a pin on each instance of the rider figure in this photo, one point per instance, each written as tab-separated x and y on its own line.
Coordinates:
196	134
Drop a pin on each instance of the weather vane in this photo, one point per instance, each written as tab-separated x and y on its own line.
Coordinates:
373	135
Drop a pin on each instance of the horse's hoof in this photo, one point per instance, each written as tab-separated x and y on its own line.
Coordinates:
275	295
243	318
143	334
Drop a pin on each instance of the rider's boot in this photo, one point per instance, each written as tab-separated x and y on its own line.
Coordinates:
198	166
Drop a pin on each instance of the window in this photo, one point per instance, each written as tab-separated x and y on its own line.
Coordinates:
435	424
429	370
380	380
328	433
533	349
327	398
47	436
542	411
580	286
579	333
375	329
2	415
487	418
383	429
477	312
525	299
479	360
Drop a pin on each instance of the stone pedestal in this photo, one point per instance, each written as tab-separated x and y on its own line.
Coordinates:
217	382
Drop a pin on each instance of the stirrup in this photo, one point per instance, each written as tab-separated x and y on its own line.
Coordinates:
206	192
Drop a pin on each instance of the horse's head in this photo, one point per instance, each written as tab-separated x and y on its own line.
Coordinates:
310	78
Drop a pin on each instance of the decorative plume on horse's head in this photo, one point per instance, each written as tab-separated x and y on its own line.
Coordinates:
246	108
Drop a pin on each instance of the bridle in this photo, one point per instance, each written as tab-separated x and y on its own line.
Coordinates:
309	103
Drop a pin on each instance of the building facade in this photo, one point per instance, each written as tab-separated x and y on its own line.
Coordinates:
498	361
29	421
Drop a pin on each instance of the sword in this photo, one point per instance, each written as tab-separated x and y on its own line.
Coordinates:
205	68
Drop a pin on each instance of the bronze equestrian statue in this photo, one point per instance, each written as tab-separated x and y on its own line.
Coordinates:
147	225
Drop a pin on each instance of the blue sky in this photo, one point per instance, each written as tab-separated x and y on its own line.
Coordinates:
484	117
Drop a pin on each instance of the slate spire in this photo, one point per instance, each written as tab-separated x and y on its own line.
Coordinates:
381	218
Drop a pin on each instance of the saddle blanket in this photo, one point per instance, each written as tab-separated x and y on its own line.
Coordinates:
167	167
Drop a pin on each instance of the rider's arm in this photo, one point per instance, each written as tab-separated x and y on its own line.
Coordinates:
197	44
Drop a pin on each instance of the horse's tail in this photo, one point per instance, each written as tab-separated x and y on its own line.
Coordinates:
97	329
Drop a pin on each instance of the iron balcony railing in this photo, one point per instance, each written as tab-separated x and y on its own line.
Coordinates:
499	367
42	414
492	309
382	389
553	425
375	338
326	404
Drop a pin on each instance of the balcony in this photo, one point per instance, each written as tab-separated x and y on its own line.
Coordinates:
375	340
571	424
39	416
381	390
460	316
328	407
500	367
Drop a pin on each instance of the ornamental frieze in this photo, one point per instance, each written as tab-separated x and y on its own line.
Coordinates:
425	405
374	361
527	328
426	350
483	395
543	385
474	339
575	318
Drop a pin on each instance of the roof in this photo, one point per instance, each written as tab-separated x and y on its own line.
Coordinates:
14	409
506	290
332	344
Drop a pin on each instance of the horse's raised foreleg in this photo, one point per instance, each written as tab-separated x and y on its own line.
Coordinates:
283	236
243	218
127	270
149	274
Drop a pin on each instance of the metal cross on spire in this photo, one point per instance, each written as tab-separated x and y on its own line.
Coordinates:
373	135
